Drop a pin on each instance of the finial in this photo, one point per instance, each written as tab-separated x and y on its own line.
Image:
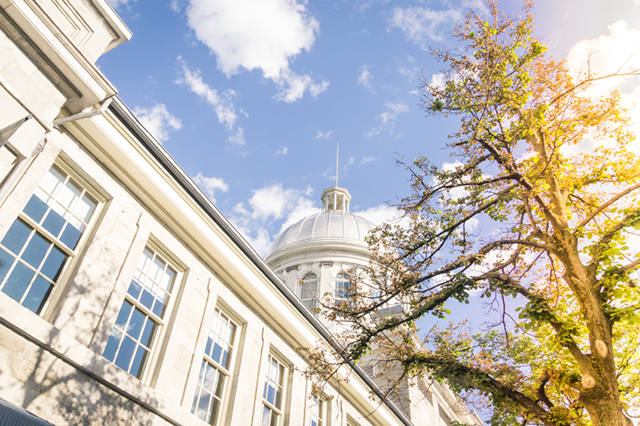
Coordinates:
337	150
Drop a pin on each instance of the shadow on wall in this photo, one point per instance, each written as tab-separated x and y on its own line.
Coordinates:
53	389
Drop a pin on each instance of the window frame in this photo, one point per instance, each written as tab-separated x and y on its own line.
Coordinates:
310	302
62	278
161	322
319	409
340	295
266	405
227	372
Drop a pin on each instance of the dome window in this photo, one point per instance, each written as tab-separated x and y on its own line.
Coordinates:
343	287
308	291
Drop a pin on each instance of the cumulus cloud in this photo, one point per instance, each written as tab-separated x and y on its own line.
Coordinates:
158	121
283	150
268	206
365	77
210	185
222	103
421	24
617	51
258	34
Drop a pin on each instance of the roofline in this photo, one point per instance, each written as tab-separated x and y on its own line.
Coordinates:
126	116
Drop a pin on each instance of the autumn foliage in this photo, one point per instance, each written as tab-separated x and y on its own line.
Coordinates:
537	217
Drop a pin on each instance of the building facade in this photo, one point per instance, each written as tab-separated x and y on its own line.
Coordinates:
126	297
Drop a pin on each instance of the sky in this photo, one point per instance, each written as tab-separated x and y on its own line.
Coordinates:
252	96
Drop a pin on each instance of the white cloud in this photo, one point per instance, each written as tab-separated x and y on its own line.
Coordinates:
291	87
618	51
365	77
268	206
372	132
158	121
117	3
175	6
366	160
237	138
210	185
223	105
326	135
384	214
420	24
283	150
388	118
258	34
393	110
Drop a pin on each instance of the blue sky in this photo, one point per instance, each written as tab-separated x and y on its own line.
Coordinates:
251	96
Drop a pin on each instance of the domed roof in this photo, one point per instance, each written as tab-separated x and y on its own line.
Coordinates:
335	224
326	226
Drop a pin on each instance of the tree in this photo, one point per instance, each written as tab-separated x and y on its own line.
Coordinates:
549	173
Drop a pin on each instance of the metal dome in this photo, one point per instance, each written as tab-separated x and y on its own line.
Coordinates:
328	226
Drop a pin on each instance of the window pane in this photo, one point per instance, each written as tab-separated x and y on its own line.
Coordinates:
135	323
266	416
203	406
84	209
54	263
126	352
123	316
146	299
6	260
36	207
158	308
135	287
72	233
215	408
139	360
36	250
112	344
18	281
54	222
69	195
37	294
167	279
148	333
16	237
210	378
52	181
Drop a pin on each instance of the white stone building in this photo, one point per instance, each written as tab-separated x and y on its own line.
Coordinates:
125	296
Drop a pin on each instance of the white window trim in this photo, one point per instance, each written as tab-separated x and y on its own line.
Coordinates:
150	369
229	371
61	285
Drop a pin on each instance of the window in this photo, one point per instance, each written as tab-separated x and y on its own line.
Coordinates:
40	242
273	392
142	311
214	372
342	288
308	291
318	412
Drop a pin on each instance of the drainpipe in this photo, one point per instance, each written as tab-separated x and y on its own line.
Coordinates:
86	114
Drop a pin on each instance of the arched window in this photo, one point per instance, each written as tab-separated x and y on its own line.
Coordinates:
309	291
343	285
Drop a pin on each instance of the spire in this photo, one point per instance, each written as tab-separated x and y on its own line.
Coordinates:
337	151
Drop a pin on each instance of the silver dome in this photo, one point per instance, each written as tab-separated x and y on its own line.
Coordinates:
333	226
